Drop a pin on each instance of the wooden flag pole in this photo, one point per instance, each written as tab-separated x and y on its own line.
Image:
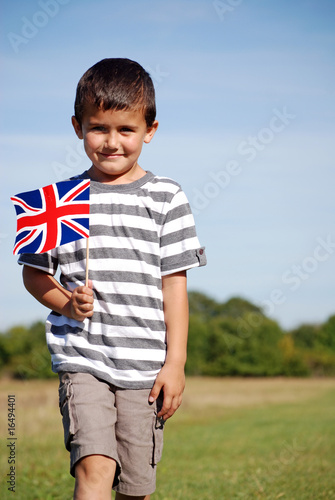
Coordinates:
87	259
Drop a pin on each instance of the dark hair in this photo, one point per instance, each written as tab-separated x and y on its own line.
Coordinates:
117	84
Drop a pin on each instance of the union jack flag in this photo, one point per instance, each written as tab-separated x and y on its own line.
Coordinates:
52	216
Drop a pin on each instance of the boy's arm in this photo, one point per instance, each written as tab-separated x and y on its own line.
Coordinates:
171	378
45	288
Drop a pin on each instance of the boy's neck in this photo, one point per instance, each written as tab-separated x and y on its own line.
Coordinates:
132	175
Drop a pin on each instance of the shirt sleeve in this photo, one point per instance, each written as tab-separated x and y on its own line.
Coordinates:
47	262
180	247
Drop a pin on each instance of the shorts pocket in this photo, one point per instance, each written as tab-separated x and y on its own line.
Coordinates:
67	410
157	435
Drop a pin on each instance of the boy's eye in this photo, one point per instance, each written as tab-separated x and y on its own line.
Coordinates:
126	129
98	128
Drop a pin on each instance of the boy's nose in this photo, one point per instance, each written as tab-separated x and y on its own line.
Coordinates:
112	141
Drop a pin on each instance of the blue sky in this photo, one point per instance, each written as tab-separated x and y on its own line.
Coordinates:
246	105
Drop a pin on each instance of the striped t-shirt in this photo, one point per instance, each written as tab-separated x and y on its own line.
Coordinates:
139	232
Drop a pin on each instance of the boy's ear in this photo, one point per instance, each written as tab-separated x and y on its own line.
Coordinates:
77	127
151	132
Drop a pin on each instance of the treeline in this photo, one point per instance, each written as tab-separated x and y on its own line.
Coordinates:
236	338
233	338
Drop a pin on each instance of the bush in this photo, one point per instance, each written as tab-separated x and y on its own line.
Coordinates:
24	352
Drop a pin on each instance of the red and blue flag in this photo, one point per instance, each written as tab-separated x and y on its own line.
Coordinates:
52	216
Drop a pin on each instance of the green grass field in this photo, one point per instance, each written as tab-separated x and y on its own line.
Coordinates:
231	439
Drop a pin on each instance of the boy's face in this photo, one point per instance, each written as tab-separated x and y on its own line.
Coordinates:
113	141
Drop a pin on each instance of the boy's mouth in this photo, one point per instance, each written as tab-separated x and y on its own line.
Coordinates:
112	155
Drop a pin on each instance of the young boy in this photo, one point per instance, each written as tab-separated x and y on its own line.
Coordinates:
119	344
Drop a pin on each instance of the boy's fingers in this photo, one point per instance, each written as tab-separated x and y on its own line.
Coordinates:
87	290
154	393
170	406
84	300
152	397
166	408
88	299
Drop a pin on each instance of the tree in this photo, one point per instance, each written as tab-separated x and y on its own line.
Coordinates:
25	352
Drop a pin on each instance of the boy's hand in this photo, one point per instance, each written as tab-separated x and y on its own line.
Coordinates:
81	302
171	379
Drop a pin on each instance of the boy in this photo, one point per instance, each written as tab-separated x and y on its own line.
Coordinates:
119	344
